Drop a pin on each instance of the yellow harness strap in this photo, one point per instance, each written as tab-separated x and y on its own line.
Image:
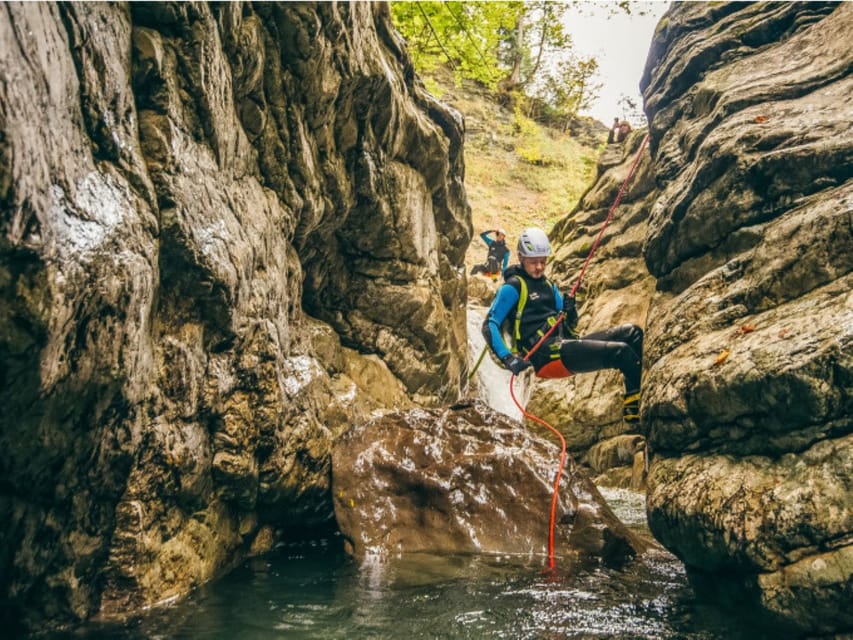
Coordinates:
522	301
516	334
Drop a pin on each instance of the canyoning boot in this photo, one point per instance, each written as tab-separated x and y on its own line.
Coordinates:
631	411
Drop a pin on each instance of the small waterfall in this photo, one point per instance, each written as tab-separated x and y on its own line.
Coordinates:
491	381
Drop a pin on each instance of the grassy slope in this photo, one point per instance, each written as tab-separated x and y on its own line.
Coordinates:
518	173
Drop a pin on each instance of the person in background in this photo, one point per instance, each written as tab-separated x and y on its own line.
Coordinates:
614	130
531	304
624	130
497	259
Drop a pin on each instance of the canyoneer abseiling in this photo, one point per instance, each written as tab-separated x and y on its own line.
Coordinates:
550	322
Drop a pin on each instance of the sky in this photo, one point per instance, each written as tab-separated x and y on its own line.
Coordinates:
620	43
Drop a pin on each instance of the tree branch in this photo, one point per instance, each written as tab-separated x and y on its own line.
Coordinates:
435	35
544	22
488	67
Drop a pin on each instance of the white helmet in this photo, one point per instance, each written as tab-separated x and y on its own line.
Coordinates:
533	243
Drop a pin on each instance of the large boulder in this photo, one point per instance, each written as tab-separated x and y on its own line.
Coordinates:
749	344
467	480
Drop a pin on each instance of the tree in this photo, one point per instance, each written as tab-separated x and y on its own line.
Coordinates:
518	47
631	111
538	35
464	35
571	87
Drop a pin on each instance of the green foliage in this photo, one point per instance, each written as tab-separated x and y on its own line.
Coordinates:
433	87
532	143
509	45
539	41
465	35
572	86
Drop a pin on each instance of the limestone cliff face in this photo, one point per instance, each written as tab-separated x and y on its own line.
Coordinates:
182	187
749	380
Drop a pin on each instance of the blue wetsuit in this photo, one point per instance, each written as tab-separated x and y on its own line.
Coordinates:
498	258
619	347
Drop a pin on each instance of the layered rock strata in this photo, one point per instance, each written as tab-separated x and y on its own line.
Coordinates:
179	184
749	386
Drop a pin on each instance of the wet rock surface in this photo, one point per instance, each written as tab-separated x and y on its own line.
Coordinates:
748	389
179	184
467	480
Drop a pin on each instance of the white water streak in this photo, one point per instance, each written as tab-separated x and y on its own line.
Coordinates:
492	381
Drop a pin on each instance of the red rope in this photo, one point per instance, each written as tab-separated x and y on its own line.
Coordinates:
610	215
524	412
556	489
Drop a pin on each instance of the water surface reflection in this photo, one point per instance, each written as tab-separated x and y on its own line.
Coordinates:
314	591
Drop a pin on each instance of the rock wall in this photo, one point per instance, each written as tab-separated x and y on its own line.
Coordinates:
748	389
182	186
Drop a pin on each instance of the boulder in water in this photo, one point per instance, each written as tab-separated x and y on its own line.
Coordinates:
466	480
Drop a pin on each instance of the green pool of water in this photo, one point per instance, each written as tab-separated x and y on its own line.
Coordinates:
312	590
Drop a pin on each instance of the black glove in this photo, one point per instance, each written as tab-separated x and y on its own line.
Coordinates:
515	364
570	315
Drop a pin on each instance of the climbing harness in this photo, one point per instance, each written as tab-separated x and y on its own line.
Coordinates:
513	330
525	413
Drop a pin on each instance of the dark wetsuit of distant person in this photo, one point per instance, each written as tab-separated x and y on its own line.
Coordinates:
497	259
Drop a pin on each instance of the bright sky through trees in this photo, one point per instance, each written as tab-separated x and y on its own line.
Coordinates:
620	43
549	57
